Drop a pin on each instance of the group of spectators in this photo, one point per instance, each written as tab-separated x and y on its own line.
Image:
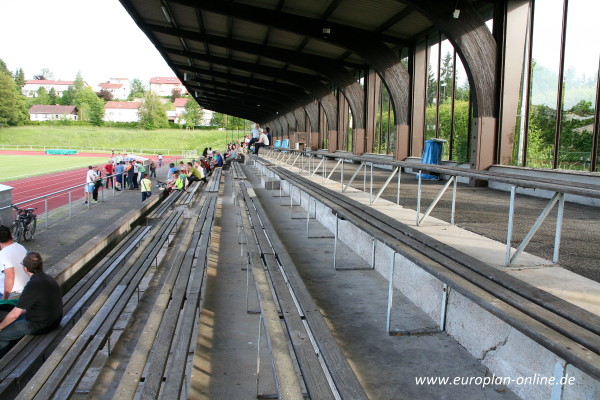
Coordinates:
258	138
122	173
31	301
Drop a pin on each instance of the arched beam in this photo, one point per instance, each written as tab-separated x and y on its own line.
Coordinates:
474	44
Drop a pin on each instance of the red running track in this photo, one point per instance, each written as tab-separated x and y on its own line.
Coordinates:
41	185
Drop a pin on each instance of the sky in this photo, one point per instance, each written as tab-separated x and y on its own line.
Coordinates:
97	38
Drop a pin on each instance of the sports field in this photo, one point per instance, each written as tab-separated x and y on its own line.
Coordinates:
13	166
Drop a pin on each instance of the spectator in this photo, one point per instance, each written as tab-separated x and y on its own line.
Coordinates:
176	182
109	168
141	170
209	154
205	152
40	304
172	169
145	187
13	275
90	178
205	165
255	136
97	183
119	169
218	159
152	169
130	175
136	175
263	140
269	136
195	175
160	160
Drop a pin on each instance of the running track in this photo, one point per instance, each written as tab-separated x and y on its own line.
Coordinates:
36	186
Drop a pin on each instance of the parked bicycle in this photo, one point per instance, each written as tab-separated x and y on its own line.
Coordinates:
24	225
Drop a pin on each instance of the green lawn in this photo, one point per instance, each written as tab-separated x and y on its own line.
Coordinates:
87	138
16	167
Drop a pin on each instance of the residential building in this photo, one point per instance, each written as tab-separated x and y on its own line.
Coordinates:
206	117
44	112
32	86
177	115
121	111
162	86
118	87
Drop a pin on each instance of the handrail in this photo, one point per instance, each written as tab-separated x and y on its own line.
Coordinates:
563	186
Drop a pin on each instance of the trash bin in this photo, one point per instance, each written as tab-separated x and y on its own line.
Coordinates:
432	154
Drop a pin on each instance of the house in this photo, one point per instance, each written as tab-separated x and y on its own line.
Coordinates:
118	87
176	116
121	111
162	86
32	86
207	116
43	112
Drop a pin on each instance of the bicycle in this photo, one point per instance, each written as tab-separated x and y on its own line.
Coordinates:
24	225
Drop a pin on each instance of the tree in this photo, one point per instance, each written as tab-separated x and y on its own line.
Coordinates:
192	114
137	89
105	95
175	94
68	97
90	106
20	77
3	67
52	97
41	96
446	77
79	83
12	103
152	113
218	120
44	75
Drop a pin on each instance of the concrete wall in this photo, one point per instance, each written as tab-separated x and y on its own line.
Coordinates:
505	351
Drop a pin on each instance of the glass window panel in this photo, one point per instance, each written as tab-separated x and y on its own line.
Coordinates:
432	86
544	83
446	84
579	86
462	98
384	122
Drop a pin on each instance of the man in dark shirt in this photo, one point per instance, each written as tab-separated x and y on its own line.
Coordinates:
39	309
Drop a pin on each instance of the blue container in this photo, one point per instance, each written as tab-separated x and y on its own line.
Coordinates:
432	154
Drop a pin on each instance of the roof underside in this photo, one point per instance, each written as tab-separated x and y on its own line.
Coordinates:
257	59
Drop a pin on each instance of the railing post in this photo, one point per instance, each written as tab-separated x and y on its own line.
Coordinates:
47	213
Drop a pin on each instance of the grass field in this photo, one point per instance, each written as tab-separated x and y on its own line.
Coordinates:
88	138
17	167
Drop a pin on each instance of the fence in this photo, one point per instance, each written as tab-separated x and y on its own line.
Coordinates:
32	147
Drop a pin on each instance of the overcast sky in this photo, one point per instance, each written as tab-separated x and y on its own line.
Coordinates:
97	38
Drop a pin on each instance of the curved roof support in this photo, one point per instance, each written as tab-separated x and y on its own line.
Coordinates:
475	45
300	116
312	110
291	120
285	128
